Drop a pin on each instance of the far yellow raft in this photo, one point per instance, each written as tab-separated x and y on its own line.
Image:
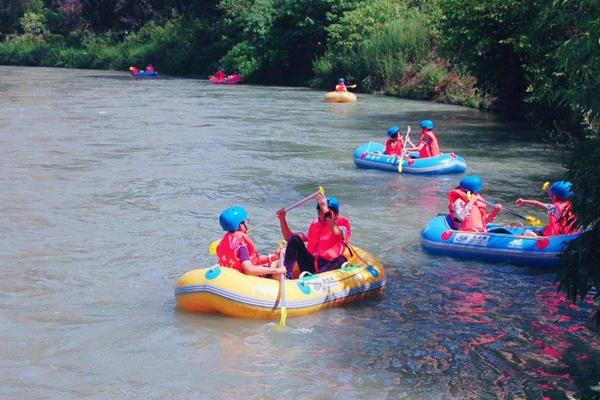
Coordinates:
227	291
340	97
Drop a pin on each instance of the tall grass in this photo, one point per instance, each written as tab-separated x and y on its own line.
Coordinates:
399	59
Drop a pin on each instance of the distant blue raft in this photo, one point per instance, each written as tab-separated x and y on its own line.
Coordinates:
439	238
145	75
370	155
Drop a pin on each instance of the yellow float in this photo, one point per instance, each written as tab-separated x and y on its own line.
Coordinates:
340	97
227	291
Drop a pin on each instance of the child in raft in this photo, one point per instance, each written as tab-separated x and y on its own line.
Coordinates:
237	250
341	86
428	144
394	145
468	209
561	217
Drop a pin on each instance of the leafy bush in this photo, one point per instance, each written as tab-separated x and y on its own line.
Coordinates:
21	51
355	26
243	59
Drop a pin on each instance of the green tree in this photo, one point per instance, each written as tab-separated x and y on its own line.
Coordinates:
10	13
487	38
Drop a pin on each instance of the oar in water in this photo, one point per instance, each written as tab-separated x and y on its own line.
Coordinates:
212	248
283	314
530	219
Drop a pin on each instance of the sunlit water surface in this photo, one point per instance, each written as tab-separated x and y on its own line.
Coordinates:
110	189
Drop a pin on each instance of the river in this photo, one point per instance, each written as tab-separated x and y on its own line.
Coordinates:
110	189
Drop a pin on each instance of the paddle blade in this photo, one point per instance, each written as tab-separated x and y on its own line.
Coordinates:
283	317
400	165
534	221
546	186
212	247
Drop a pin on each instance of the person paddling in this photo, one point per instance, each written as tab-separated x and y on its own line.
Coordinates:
562	220
220	75
134	70
149	68
428	144
237	250
326	240
394	145
468	209
341	86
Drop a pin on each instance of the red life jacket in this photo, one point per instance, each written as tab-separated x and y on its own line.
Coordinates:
322	243
394	148
564	224
220	75
227	250
340	87
429	150
476	220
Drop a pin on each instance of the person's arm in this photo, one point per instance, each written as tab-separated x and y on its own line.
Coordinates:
416	148
493	213
532	203
258	270
335	229
268	264
286	232
462	210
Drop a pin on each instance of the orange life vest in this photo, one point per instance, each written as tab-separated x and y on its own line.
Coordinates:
394	147
429	150
322	243
227	250
564	224
477	218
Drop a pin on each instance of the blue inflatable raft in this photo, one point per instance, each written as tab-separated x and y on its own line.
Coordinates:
370	155
144	75
439	238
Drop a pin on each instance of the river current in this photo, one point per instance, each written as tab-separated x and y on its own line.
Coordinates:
110	189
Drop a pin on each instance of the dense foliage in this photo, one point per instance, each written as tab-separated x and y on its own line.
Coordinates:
537	59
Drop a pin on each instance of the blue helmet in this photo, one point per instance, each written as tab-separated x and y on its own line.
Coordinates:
392	131
426	123
341	80
562	189
231	218
332	203
472	183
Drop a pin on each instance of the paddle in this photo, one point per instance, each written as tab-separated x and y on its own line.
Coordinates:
530	219
546	188
212	248
403	151
283	314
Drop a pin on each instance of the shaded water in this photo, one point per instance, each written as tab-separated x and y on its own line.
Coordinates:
110	189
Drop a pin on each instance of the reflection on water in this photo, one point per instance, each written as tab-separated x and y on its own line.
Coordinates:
110	189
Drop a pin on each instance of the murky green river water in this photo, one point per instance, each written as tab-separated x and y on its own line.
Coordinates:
110	189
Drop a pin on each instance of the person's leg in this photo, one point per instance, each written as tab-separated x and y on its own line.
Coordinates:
336	263
296	252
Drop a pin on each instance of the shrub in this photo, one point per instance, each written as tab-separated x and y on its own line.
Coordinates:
242	58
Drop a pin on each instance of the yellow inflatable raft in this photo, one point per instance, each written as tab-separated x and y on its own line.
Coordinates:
225	290
340	97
